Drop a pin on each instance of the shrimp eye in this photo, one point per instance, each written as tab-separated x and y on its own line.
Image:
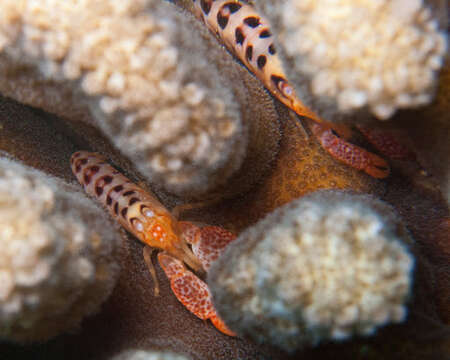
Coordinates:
282	85
137	224
286	89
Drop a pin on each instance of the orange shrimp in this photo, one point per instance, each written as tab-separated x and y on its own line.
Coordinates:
247	35
147	219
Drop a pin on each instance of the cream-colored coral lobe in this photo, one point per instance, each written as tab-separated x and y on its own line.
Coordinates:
139	70
328	266
378	56
147	355
57	255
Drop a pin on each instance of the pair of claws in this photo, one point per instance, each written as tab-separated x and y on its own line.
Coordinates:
207	244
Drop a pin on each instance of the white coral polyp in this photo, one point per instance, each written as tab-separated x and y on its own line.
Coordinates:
50	259
380	54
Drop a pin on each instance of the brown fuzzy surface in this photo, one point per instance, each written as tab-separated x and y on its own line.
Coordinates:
429	130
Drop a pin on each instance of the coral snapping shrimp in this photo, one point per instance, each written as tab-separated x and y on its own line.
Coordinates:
247	35
145	217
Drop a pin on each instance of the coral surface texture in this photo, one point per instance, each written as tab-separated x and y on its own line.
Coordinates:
258	119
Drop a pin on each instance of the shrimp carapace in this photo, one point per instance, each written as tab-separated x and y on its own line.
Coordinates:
136	210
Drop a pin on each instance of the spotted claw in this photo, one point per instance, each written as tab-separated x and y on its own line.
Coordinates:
191	291
141	213
350	154
207	242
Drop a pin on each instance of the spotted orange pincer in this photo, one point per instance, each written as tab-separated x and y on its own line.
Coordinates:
145	217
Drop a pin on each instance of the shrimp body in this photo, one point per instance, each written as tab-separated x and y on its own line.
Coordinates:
135	209
247	35
147	219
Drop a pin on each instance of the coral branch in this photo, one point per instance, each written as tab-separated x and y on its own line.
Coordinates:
150	79
325	267
58	255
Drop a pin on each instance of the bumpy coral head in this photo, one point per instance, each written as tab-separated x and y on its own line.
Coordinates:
58	255
325	267
382	55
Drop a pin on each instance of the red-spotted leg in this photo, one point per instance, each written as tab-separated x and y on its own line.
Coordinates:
207	244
